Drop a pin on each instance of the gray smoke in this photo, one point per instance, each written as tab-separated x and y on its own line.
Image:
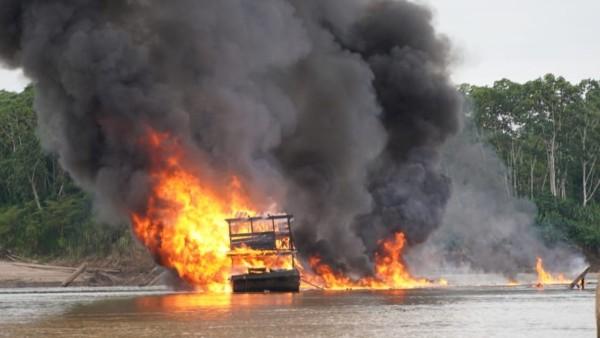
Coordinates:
336	110
486	228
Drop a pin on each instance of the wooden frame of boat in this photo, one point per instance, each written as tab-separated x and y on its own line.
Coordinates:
269	235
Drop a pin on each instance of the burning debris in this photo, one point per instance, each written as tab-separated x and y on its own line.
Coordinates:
390	271
177	116
546	278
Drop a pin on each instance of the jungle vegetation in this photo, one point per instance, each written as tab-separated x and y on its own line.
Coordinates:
546	131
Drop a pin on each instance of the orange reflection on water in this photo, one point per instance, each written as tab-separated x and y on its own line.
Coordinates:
259	299
218	304
210	304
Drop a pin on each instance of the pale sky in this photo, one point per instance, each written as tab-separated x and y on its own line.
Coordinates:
12	80
521	39
493	39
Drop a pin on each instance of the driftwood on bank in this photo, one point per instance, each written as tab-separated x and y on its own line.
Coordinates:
103	270
580	278
6	254
102	278
11	258
157	279
74	275
24	271
46	267
147	278
65	268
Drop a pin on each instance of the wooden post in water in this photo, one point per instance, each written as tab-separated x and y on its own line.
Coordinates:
598	308
580	279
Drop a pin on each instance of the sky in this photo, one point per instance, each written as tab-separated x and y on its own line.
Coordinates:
521	39
516	39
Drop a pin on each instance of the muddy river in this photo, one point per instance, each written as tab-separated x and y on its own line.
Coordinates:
451	312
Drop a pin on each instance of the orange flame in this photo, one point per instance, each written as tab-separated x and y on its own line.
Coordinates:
512	282
243	259
184	220
184	226
546	278
390	271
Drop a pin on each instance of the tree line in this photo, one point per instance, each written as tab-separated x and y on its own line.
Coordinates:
547	132
42	212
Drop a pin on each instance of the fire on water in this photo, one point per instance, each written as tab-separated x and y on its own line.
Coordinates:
543	277
184	226
390	271
546	278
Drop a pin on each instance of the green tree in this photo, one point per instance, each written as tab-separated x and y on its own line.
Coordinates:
547	131
587	146
41	211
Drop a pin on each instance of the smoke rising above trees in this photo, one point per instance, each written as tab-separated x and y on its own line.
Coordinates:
335	110
504	209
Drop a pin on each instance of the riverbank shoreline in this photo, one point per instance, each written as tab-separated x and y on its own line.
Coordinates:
35	275
106	273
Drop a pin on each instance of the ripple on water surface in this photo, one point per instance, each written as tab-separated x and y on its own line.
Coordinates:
464	312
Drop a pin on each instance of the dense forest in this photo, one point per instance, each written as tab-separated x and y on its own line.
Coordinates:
546	131
42	212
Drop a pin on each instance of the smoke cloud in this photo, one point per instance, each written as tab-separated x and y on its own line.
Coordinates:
335	110
486	228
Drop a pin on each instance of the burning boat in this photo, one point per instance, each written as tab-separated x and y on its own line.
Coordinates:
256	240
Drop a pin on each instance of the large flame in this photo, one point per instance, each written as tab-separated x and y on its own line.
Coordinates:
243	259
390	271
546	278
184	226
184	220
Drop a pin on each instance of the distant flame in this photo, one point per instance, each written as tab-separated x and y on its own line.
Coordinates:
390	271
546	278
512	282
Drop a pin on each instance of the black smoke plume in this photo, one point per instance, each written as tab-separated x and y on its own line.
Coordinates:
334	109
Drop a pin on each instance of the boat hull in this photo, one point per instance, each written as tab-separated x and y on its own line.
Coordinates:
274	281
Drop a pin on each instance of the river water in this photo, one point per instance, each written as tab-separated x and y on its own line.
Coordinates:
450	312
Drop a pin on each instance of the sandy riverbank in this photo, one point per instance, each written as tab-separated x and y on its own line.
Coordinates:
132	267
14	275
26	274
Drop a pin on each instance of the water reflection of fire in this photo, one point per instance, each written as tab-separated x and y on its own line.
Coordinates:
184	227
184	302
213	304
